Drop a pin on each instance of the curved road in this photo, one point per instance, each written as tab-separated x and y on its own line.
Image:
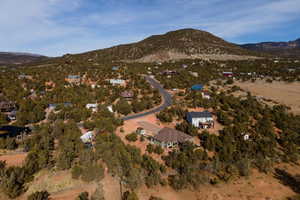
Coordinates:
167	99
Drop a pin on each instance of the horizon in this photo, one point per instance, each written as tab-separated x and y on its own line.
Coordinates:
57	27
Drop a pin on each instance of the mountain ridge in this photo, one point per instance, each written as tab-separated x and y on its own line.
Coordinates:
288	49
16	58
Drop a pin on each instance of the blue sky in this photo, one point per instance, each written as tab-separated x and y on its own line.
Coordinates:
56	27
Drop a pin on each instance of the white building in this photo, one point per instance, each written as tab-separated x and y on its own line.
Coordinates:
87	137
200	119
205	95
117	81
246	137
110	109
92	106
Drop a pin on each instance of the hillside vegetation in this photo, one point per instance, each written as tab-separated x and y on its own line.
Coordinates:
175	45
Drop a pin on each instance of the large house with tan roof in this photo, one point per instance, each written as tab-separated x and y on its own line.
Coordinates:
168	137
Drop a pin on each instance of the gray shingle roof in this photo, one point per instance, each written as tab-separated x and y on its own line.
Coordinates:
203	114
171	135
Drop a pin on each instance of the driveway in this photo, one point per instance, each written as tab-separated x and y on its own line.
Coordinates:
167	99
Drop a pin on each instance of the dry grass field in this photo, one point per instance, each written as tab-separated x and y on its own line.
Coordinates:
258	186
14	159
284	93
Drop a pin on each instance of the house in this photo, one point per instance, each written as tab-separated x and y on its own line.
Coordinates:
184	66
73	79
168	137
195	74
53	106
92	106
87	137
205	95
7	106
110	109
115	68
228	74
200	119
197	87
12	115
24	76
246	137
117	81
127	94
169	72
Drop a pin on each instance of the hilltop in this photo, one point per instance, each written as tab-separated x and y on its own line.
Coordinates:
174	45
19	58
288	49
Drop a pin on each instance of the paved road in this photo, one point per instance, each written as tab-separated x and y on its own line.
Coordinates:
167	99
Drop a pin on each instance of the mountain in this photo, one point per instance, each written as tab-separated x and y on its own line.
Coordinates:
19	58
174	45
288	49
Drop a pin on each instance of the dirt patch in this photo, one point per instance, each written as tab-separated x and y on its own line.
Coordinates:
257	187
164	56
281	92
112	190
14	159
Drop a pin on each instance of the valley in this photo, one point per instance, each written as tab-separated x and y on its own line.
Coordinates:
182	115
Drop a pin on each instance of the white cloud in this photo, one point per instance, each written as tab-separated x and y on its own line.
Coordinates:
55	27
24	23
250	18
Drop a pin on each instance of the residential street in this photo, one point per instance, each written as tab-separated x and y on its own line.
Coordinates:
167	100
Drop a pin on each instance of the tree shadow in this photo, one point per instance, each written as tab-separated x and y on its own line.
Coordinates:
287	179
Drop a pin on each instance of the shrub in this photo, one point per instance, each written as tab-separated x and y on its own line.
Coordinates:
92	172
76	172
158	150
132	137
83	196
150	148
43	195
130	196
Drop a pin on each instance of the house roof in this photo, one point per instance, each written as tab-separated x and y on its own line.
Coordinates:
197	87
73	77
171	135
87	136
203	114
127	94
7	104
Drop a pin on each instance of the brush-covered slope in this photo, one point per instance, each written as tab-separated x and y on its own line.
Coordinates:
19	58
180	44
